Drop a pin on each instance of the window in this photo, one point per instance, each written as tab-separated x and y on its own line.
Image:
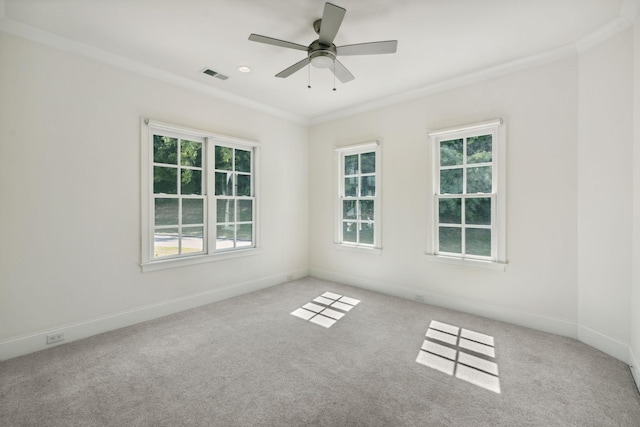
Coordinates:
468	197
200	201
178	196
234	198
358	207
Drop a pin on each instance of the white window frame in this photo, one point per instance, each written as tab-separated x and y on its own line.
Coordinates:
209	140
497	259
340	154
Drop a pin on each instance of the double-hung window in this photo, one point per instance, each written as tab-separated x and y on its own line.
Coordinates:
234	197
179	196
468	193
359	203
198	196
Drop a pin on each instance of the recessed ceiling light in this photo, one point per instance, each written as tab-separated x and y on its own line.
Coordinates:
244	69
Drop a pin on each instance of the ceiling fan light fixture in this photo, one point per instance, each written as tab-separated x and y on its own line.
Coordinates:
322	59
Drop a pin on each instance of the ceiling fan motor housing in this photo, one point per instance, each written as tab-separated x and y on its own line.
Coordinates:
322	56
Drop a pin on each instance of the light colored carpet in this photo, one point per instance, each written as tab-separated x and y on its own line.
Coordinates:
247	361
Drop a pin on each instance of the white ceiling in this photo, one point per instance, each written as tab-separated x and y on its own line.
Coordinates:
437	40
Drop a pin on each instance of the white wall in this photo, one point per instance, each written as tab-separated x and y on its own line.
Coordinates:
634	357
605	180
70	197
539	286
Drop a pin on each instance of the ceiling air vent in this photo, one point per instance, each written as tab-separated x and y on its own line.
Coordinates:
215	74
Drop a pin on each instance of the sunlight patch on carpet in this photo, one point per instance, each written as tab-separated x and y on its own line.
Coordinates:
326	309
443	347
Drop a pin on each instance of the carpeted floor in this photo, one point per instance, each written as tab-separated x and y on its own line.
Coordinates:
247	361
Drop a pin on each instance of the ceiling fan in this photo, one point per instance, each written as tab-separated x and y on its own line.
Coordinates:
322	53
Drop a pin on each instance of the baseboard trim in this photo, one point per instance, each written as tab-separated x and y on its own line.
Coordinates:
605	344
37	341
595	339
634	366
546	324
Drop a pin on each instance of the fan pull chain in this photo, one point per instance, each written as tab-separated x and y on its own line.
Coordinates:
309	84
334	74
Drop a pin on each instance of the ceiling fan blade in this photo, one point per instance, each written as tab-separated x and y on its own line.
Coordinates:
295	67
276	42
330	24
373	48
341	72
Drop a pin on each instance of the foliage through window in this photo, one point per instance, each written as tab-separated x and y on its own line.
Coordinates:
466	193
358	219
202	194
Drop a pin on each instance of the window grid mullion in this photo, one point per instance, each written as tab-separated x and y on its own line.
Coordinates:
477	165
358	224
164	227
464	166
494	215
463	221
179	192
358	176
234	178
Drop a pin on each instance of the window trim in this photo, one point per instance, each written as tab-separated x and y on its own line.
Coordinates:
498	257
340	153
147	263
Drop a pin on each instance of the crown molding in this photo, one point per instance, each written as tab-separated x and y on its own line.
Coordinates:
629	9
455	82
40	36
603	33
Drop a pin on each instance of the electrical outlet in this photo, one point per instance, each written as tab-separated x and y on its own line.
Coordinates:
419	297
54	338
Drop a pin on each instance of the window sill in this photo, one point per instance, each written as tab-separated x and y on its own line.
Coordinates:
357	248
197	259
466	262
